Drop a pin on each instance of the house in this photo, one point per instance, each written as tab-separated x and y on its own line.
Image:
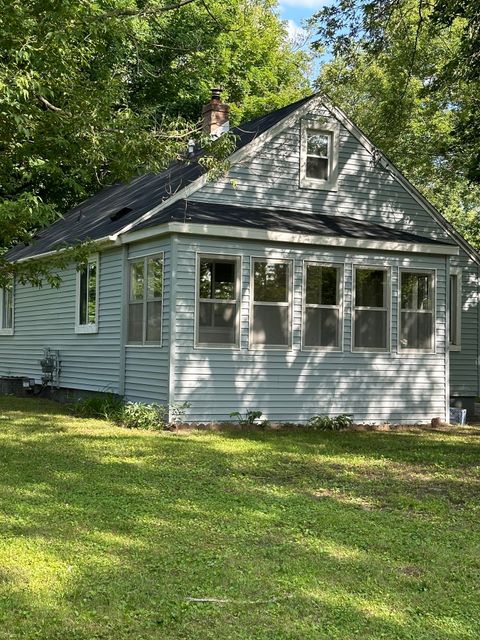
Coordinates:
311	279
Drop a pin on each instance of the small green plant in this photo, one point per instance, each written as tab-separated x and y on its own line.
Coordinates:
103	405
330	423
140	415
249	418
178	411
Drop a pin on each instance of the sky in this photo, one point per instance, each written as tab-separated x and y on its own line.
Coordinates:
295	12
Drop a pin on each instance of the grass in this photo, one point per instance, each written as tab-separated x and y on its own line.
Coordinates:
107	533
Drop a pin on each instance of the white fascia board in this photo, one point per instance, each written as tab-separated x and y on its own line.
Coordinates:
242	233
405	183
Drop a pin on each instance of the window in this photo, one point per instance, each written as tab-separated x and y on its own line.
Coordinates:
323	311
145	300
271	313
218	305
416	311
319	155
6	309
371	309
87	297
455	308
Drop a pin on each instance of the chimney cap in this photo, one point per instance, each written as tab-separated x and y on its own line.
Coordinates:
216	93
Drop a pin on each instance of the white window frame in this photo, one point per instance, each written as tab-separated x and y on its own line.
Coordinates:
457	345
238	288
7	331
288	304
331	130
145	257
91	327
340	306
388	308
429	272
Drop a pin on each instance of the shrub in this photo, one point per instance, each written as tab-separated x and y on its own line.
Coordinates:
103	405
328	423
139	415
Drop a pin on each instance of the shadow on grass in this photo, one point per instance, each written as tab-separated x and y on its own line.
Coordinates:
306	535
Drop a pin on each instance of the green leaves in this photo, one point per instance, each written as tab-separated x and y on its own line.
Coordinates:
95	92
401	81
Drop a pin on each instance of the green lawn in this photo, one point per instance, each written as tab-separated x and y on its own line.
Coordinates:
107	533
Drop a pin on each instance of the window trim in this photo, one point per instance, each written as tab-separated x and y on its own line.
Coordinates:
332	130
289	304
145	257
417	270
340	306
457	345
91	327
238	285
7	331
388	308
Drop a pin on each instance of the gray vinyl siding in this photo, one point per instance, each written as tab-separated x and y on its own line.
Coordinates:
367	192
45	317
295	384
464	364
147	367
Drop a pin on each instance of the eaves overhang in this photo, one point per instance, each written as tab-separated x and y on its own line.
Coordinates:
242	233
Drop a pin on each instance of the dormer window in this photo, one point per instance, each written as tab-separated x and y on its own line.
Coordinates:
319	155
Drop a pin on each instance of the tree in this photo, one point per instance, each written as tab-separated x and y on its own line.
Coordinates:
375	27
95	91
389	79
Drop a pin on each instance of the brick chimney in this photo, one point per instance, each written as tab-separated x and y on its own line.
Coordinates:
215	116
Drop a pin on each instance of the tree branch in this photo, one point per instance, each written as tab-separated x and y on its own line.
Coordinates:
49	105
140	13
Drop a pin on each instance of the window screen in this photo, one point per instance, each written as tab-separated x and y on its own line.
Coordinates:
87	313
6	307
271	303
455	309
218	302
416	311
318	148
87	303
371	312
145	302
322	317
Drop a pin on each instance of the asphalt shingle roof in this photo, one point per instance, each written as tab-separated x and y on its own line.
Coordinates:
191	212
96	217
118	205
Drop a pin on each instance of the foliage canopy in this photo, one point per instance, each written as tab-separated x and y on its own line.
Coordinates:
95	91
407	74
